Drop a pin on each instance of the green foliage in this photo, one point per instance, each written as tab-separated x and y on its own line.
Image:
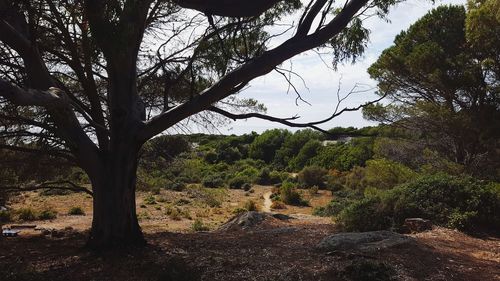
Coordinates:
26	214
264	146
5	216
76	211
385	174
344	156
238	182
212	181
289	195
312	176
365	215
150	200
267	177
160	151
306	153
247	187
198	225
47	215
292	145
462	203
444	84
177	186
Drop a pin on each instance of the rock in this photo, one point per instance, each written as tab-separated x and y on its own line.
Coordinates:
243	221
417	224
281	217
362	241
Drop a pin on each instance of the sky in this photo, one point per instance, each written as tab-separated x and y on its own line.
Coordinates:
321	83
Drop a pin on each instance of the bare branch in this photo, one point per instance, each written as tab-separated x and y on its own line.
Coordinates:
48	185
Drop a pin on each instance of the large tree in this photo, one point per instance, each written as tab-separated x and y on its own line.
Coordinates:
443	81
93	80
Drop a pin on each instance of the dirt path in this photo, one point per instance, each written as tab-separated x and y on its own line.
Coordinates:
267	202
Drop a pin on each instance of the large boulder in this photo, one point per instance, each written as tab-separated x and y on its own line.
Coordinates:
362	241
251	220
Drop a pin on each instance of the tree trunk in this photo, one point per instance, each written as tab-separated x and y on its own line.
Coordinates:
114	223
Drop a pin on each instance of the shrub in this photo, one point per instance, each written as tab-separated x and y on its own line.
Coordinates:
311	176
341	199
212	181
364	215
238	182
246	186
462	203
239	211
177	186
313	190
76	211
26	214
5	216
198	225
385	174
250	206
290	196
457	202
150	200
264	177
47	215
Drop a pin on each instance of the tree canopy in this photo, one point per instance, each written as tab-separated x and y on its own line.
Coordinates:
442	86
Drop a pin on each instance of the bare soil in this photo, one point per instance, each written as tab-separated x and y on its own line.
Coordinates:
275	250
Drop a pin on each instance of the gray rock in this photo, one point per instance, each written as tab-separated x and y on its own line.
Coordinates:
243	221
417	224
362	241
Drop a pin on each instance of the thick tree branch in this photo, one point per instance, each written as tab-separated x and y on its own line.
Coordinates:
248	71
51	98
284	121
48	185
229	8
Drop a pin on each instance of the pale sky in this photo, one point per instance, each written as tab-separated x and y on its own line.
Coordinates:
322	83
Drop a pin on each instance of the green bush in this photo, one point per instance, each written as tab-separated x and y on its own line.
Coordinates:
150	200
5	216
311	176
198	225
289	195
212	181
238	182
47	215
76	211
26	214
457	202
246	187
463	203
177	186
364	215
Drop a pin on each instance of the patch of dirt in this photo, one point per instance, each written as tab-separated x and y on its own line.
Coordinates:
277	249
440	254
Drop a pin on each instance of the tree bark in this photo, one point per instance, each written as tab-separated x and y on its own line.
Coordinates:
114	222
